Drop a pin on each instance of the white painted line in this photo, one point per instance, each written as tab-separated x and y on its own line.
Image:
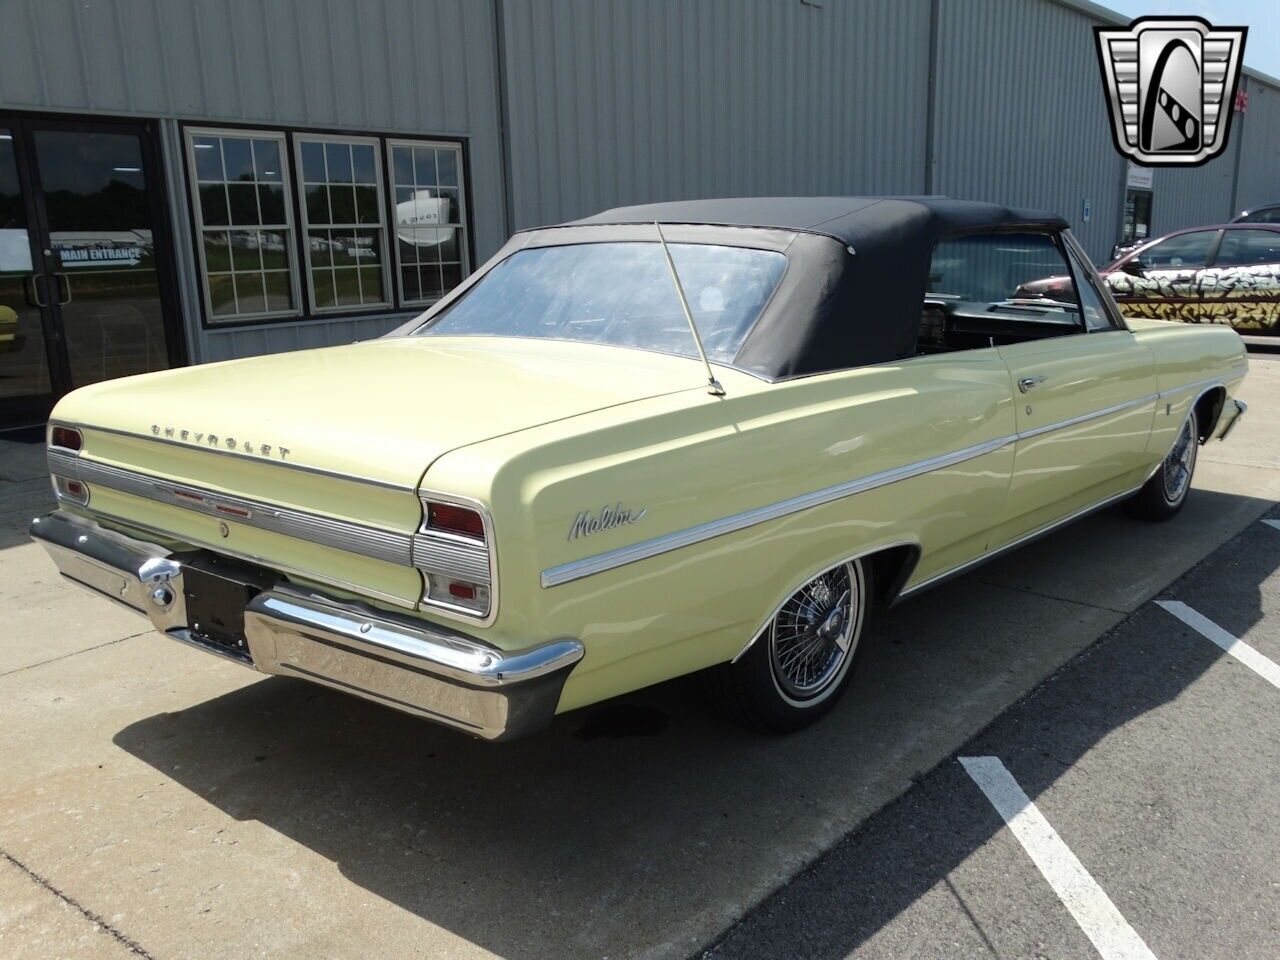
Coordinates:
1263	666
1093	910
1272	523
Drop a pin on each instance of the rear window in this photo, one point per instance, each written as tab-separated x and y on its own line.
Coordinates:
1248	248
620	294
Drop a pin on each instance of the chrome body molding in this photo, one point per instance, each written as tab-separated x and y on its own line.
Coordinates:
577	569
283	464
341	534
399	661
588	566
1085	418
1023	540
452	556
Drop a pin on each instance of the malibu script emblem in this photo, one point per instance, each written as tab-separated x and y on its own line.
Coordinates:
222	443
584	524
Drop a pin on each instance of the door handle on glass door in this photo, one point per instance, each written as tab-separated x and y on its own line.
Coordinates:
1027	383
60	279
34	296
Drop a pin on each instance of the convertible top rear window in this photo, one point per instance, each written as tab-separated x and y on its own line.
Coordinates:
620	294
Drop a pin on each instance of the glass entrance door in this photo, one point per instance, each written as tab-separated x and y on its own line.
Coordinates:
93	299
26	386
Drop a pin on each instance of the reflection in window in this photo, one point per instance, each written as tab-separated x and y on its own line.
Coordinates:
246	232
342	209
430	239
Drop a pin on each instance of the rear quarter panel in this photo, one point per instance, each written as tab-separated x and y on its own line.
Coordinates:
690	459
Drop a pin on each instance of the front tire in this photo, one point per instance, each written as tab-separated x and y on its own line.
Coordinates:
798	668
1163	495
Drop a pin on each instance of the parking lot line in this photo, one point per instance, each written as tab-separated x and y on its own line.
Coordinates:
1088	903
1265	667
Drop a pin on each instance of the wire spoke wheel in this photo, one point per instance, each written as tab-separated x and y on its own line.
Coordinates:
1180	463
814	634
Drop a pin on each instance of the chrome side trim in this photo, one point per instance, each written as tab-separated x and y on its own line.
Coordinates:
341	534
1023	540
1085	418
318	471
1206	382
587	566
452	558
577	569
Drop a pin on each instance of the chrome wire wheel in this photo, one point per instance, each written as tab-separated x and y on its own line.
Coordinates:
813	636
1180	463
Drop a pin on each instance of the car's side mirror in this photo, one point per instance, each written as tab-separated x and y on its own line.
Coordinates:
1134	267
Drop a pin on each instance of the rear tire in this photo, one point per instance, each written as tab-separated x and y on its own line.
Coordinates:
1163	495
800	665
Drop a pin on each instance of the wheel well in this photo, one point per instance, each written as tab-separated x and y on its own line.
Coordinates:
1208	409
890	570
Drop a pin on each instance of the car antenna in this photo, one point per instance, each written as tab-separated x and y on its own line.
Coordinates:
716	390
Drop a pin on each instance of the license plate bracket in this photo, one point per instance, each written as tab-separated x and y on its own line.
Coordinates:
217	591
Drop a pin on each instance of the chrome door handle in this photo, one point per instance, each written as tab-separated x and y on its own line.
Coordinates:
1026	383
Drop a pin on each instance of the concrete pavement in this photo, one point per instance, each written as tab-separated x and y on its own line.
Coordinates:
201	810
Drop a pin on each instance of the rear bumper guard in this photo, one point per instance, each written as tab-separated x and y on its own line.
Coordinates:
405	663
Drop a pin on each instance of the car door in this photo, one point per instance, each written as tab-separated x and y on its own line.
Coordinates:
1169	282
1242	284
1084	403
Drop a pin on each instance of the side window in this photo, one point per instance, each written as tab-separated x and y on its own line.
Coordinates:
1248	248
1097	317
1186	251
990	289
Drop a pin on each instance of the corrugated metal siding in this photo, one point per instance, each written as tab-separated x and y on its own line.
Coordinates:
1189	197
1021	117
614	102
422	67
1260	146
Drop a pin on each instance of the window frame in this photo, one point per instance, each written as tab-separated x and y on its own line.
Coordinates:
190	135
299	138
464	215
1078	261
304	311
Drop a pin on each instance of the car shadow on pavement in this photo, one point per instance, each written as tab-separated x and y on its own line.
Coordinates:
649	824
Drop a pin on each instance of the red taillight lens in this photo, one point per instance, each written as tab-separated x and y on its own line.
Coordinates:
66	438
463	591
451	518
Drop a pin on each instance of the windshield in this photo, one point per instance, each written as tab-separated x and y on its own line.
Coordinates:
620	294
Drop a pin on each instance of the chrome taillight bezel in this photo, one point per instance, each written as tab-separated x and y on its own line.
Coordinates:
441	556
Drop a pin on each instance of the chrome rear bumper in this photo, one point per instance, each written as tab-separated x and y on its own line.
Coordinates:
399	661
1241	409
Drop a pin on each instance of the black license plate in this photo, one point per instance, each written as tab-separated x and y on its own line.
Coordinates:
217	592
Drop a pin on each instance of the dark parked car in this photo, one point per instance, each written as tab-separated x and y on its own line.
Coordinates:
1266	213
1229	274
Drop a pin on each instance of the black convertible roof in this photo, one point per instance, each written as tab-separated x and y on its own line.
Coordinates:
842	306
851	220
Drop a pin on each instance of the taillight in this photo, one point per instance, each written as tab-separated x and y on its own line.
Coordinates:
453	552
451	518
74	491
66	438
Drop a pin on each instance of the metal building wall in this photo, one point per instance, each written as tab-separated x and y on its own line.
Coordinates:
1021	117
625	101
1259	136
419	67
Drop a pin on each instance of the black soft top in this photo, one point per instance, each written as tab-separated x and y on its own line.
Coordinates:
850	303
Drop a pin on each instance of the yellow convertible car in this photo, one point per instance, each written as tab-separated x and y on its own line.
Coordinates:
716	435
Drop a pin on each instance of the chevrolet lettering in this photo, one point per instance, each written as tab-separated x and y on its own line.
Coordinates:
716	436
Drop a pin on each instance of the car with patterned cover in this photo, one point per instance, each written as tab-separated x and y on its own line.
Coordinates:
713	436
